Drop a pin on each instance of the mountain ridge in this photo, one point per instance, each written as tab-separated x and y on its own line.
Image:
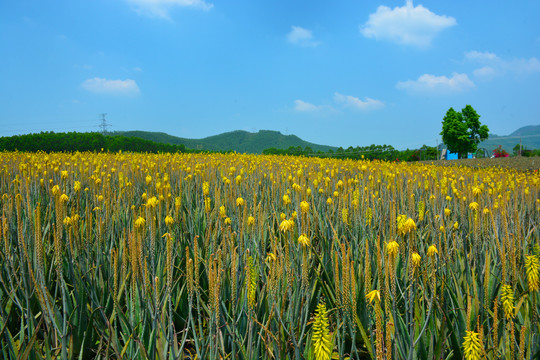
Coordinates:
256	142
237	140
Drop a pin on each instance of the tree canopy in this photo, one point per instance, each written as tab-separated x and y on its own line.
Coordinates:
462	131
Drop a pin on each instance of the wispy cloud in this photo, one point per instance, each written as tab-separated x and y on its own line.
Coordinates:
303	106
493	65
341	101
112	87
356	103
431	84
301	36
161	8
407	25
480	56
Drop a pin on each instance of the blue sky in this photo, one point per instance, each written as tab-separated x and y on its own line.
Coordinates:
332	72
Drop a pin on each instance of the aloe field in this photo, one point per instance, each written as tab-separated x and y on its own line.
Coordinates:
229	256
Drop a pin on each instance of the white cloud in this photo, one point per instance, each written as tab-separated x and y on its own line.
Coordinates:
480	56
494	65
485	72
408	25
303	106
301	36
428	83
356	103
531	65
161	8
114	87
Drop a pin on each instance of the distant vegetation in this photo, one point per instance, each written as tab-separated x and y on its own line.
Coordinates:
264	141
239	141
74	141
372	152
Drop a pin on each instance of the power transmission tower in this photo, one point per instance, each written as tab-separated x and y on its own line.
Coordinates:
103	125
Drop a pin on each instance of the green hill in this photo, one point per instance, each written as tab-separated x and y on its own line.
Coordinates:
527	131
239	141
529	136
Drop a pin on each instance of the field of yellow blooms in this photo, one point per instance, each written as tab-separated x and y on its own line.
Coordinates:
197	256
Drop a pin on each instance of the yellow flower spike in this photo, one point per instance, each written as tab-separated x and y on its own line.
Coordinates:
409	225
373	295
77	186
447	212
303	240
207	204
474	206
206	188
169	220
432	250
228	221
251	220
441	229
64	198
239	202
286	225
222	211
392	248
472	347
321	340
329	201
485	211
532	265
507	298
152	202
56	189
416	258
286	200
140	222
270	257
456	225
304	207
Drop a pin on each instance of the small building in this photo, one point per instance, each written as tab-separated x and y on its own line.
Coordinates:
447	155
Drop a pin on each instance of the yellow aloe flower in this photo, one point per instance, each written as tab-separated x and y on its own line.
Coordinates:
472	347
432	250
303	240
373	295
239	202
416	258
392	248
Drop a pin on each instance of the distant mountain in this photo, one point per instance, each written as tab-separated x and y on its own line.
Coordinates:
527	131
239	141
529	136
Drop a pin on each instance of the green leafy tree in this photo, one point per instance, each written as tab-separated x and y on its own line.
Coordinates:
462	131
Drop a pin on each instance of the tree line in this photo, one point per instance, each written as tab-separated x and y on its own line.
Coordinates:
371	152
75	141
